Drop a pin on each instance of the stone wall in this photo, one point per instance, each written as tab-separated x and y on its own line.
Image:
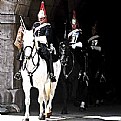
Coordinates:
10	89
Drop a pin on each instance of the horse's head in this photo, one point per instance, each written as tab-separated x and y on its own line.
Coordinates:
64	51
28	43
64	47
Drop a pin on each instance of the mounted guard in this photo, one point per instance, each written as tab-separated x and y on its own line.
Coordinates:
37	57
43	33
77	45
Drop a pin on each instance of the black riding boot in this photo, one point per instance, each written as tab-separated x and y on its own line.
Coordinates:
50	68
47	55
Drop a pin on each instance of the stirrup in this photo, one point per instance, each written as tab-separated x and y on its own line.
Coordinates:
18	76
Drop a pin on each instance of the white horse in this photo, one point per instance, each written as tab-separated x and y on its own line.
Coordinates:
34	73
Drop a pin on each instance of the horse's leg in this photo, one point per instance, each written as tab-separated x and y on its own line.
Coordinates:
47	99
49	103
27	104
57	70
50	91
26	88
65	96
41	102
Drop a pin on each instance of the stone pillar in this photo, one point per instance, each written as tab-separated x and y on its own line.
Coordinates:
10	89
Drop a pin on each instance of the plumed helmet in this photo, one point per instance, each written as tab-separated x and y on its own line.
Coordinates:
42	12
74	21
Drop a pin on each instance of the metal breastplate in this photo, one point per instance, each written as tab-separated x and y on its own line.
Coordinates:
74	37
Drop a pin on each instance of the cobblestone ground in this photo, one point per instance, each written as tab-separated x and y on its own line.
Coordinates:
104	112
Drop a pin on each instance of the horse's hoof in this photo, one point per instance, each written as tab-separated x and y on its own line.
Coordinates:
41	117
48	115
82	109
26	119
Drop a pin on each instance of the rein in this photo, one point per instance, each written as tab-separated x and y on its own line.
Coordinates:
30	73
64	69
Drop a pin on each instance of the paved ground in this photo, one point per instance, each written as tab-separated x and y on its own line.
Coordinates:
110	112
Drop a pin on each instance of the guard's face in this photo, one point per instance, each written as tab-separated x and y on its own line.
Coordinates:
43	20
73	26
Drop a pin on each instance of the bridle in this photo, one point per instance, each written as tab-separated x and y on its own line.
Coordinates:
31	57
64	58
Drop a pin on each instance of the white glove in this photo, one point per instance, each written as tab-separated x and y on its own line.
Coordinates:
78	44
52	48
73	46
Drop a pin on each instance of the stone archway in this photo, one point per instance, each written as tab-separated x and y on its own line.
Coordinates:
9	22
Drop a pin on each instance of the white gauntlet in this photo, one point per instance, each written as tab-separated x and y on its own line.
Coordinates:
78	44
73	46
52	48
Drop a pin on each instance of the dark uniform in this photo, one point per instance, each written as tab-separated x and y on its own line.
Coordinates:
95	67
76	37
43	32
77	47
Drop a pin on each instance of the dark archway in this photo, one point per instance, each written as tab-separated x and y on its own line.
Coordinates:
87	13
